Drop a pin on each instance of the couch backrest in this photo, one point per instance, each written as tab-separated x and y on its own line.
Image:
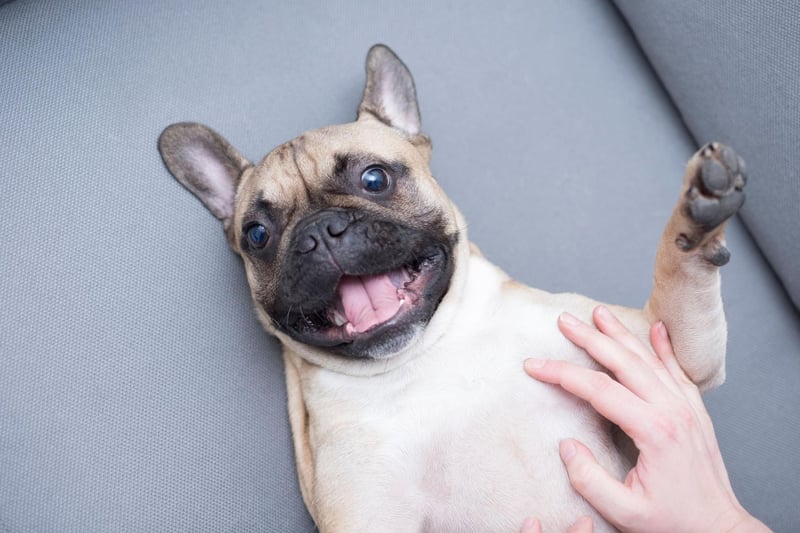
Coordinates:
733	71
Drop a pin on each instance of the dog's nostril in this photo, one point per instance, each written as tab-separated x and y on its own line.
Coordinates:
337	227
308	244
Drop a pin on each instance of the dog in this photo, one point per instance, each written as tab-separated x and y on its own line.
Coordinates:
404	346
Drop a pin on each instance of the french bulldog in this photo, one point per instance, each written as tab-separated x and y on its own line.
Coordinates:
404	346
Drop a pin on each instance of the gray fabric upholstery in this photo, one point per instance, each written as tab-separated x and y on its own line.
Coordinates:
137	391
733	71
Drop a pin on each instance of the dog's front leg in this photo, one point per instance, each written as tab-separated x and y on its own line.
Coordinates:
686	292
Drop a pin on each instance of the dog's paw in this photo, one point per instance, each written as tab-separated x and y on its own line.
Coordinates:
714	193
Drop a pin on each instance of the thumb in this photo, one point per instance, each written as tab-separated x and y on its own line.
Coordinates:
531	525
583	525
611	498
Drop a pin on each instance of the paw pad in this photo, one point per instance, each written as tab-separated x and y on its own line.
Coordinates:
714	193
721	171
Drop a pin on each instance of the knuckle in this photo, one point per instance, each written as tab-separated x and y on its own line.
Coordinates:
664	427
686	417
581	473
674	424
580	476
601	382
657	365
629	517
638	514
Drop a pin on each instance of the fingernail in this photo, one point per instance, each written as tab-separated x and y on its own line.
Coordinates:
568	319
567	450
661	330
604	313
533	363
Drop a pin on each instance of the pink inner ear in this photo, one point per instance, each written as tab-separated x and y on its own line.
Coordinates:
398	110
215	183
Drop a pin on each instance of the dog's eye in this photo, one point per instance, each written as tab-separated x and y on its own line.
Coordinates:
375	179
257	235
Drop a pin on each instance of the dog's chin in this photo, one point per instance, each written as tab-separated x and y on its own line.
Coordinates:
374	315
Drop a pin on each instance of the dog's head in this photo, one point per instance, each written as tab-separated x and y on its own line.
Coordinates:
348	243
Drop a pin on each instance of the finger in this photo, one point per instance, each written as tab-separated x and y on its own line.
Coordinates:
662	345
584	524
611	326
659	337
531	525
683	386
611	498
628	367
607	396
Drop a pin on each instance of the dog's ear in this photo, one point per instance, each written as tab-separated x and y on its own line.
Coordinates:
389	93
204	163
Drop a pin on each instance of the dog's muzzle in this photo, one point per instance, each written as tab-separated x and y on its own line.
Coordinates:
359	284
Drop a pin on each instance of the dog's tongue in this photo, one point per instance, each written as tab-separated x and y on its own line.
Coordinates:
368	300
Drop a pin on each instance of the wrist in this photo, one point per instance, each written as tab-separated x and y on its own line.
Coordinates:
746	523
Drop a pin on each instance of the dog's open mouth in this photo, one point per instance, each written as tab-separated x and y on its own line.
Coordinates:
364	302
376	308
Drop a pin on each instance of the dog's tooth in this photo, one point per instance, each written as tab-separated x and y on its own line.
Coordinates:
338	318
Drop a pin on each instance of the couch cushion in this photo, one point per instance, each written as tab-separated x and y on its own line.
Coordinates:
733	71
137	391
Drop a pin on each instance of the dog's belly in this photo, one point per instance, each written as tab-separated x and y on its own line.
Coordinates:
459	439
487	456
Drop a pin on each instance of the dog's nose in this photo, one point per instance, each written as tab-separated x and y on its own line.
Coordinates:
322	226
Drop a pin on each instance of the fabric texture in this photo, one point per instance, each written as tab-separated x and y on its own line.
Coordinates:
733	71
137	390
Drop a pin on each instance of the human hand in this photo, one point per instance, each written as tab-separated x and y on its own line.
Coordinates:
679	482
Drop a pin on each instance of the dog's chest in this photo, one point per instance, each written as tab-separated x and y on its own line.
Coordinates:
460	435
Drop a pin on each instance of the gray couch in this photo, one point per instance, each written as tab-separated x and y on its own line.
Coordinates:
137	391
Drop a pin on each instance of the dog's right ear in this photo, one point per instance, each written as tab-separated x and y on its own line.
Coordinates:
205	163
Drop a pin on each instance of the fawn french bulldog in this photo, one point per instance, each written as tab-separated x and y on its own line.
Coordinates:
404	346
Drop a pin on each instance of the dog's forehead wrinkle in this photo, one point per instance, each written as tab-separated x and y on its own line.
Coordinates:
278	176
306	166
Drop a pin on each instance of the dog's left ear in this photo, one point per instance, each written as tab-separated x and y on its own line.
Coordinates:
389	93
